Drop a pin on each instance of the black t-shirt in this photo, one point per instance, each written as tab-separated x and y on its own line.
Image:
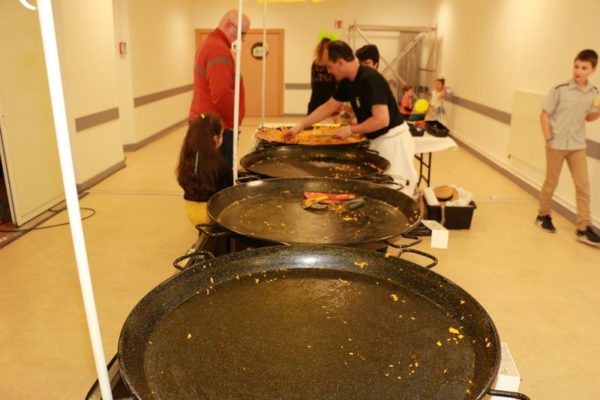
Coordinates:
369	88
322	84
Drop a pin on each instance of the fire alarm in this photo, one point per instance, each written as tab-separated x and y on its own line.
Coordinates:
338	24
122	47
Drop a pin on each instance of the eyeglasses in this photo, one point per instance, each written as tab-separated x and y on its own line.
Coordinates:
243	33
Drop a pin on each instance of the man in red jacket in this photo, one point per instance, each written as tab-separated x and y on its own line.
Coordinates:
214	77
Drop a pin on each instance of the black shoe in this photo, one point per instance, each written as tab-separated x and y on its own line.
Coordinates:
588	236
545	223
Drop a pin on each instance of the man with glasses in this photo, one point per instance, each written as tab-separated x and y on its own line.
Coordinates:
214	78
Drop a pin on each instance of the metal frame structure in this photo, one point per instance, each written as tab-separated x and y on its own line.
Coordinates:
409	56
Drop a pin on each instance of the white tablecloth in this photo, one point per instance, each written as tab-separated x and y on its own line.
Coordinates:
429	143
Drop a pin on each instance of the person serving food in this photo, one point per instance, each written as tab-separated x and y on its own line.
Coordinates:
378	118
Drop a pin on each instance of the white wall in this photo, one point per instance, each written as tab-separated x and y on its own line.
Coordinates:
161	52
28	140
87	49
490	49
304	21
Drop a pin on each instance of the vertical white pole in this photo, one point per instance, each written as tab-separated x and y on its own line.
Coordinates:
236	103
66	163
263	95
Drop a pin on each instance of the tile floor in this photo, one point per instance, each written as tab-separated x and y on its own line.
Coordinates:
541	290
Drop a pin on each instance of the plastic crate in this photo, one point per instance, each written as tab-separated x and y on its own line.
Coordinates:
436	128
456	217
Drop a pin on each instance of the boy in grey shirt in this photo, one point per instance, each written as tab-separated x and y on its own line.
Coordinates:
565	110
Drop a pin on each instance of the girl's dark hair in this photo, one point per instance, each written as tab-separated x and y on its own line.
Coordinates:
201	179
442	81
406	88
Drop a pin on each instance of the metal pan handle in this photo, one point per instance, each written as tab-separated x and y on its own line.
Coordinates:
416	241
510	395
194	258
434	260
248	178
202	229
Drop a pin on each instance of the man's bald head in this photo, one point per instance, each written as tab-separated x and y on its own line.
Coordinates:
229	24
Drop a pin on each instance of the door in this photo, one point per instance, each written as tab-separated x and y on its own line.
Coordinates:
27	140
252	70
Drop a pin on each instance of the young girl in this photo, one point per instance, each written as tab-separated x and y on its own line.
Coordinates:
406	103
202	171
436	109
322	82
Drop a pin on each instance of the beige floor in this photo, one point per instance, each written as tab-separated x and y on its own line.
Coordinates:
540	289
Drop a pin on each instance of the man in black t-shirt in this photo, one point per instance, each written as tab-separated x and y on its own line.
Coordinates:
377	114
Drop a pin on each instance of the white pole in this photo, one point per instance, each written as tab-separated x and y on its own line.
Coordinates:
66	163
263	95
236	102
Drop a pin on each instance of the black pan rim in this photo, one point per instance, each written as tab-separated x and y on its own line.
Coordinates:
366	184
208	266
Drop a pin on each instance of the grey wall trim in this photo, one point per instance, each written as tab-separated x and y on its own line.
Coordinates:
490	112
100	177
155	136
518	181
99	118
297	86
150	98
593	149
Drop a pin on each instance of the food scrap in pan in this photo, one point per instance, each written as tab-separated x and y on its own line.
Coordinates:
338	202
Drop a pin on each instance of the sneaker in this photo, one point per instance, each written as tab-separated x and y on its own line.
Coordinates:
545	223
588	236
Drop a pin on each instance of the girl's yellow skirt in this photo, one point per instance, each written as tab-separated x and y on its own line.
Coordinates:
196	212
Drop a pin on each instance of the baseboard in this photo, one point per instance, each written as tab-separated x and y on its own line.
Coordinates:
100	177
523	184
154	136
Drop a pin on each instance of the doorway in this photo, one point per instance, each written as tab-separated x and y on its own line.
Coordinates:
5	216
252	70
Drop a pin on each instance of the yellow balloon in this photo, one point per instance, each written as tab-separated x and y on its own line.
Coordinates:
421	106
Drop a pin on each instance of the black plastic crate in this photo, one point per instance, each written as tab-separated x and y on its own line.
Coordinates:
436	128
456	217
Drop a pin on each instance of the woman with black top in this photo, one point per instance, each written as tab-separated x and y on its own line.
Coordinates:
202	171
322	82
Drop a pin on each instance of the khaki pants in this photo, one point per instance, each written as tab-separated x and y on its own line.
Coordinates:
577	162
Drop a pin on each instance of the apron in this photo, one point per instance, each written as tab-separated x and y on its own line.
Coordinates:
398	147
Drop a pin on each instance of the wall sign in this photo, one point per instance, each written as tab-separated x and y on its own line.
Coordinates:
258	50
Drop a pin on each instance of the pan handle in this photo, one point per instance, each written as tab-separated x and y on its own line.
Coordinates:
202	229
510	395
194	258
248	178
416	241
434	260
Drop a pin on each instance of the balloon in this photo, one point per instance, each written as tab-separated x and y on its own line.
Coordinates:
421	106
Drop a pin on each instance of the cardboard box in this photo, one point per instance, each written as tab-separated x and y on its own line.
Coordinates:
456	217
